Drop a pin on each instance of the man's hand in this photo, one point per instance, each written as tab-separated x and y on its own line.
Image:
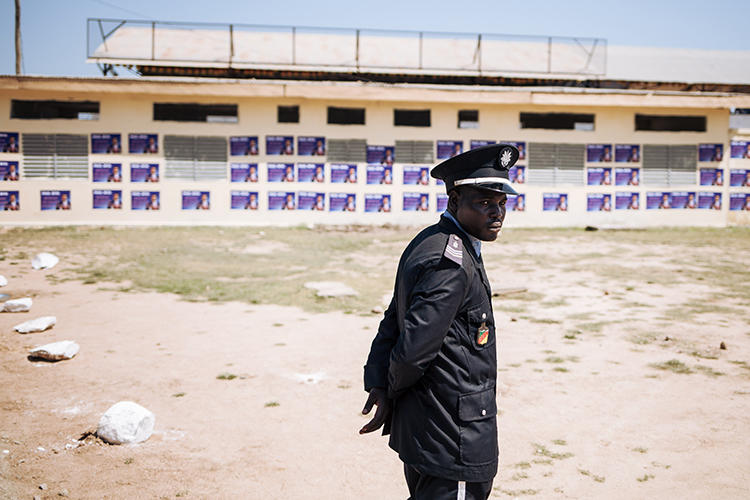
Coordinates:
378	397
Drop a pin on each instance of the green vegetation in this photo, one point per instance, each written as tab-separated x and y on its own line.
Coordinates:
271	404
226	376
673	365
543	451
598	479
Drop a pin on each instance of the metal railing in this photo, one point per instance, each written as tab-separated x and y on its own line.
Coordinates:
120	41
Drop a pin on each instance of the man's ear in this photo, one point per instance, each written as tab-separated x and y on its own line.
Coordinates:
453	197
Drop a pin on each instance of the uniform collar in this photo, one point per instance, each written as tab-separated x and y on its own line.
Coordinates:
476	243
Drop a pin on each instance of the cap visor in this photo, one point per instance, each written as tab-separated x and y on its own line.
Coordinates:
498	188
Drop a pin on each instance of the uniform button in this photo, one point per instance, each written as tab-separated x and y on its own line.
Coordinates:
484	315
484	412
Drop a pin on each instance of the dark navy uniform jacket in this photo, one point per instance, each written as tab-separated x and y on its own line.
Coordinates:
435	352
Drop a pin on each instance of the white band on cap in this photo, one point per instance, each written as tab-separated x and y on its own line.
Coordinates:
482	180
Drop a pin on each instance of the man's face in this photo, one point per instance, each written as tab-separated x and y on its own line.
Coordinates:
480	212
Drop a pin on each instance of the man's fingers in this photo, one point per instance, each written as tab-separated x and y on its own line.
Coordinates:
368	405
370	426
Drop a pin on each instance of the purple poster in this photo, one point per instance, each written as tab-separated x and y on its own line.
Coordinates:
598	202
106	172
516	203
196	200
280	200
9	170
709	201
281	172
627	176
711	177
710	152
377	203
416	175
416	202
554	202
144	172
243	172
244	146
311	201
379	174
599	176
55	200
739	178
144	200
627	201
343	173
380	154
739	201
244	200
449	149
311	172
140	144
521	147
9	142
740	149
10	201
684	199
627	153
279	145
658	200
311	146
342	202
441	202
596	153
474	144
105	144
107	199
517	174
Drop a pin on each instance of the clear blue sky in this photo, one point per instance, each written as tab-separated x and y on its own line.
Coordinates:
54	31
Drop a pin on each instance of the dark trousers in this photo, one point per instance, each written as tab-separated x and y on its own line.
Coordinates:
422	487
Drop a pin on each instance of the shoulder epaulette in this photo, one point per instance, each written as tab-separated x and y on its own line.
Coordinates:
454	249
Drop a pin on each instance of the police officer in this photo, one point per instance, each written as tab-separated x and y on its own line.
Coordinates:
432	366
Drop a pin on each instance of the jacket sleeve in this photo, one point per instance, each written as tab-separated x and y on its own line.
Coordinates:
435	300
376	369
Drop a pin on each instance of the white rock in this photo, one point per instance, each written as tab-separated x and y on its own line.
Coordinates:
17	305
3	280
126	422
330	288
36	325
65	349
44	260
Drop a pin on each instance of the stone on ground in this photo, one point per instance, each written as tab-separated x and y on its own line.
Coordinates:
56	351
17	305
36	325
330	288
3	280
126	422
44	260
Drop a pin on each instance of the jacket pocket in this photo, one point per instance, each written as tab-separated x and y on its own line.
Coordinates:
477	412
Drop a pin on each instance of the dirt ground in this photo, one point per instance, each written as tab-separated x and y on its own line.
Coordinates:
612	383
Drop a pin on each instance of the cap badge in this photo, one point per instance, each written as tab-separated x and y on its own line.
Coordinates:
505	157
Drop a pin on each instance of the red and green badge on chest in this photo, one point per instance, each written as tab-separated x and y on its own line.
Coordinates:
483	334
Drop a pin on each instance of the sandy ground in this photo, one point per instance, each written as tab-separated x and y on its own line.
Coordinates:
582	417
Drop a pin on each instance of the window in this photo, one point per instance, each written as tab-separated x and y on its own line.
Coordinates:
45	110
670	123
667	165
195	157
468	118
347	150
558	121
556	163
414	151
287	114
740	118
411	117
191	112
346	116
55	156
